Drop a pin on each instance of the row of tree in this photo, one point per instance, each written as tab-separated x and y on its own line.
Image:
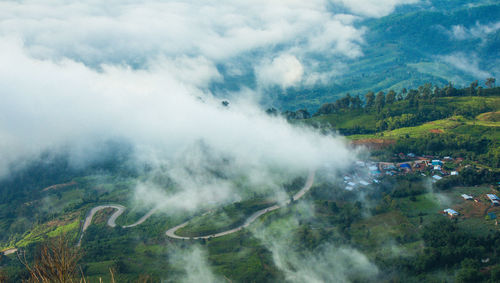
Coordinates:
377	101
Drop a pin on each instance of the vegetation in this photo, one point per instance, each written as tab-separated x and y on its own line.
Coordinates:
397	222
428	120
409	55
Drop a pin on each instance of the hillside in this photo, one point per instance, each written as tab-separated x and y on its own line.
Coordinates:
362	209
410	48
435	125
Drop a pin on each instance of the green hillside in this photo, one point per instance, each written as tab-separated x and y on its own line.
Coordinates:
407	49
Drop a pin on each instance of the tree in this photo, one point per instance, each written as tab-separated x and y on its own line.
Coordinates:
344	101
356	102
450	90
370	99
437	92
391	97
468	274
379	100
490	82
327	108
480	91
272	111
399	97
425	91
56	261
472	88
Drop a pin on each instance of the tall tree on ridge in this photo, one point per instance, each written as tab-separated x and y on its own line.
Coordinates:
490	82
370	99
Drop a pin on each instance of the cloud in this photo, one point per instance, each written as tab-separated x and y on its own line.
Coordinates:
325	263
373	8
74	75
284	70
193	264
134	33
66	104
460	32
468	63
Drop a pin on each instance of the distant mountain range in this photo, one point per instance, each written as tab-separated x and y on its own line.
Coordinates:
432	41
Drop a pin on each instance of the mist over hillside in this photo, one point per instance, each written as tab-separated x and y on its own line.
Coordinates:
152	139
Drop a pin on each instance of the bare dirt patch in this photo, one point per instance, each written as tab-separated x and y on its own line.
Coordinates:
66	219
59	186
489	116
373	143
436	131
472	209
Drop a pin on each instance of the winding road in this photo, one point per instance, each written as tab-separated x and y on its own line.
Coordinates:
171	232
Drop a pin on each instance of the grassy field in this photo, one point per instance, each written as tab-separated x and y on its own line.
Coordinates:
456	124
366	120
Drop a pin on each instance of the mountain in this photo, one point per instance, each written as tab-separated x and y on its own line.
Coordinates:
416	45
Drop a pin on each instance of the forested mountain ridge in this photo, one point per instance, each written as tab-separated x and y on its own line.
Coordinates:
411	48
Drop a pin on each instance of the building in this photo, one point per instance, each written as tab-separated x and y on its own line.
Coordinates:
454	173
437	167
467	197
364	183
450	212
405	166
360	163
437	162
437	177
494	199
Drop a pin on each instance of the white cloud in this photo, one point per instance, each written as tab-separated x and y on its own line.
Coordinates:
460	32
47	105
284	70
326	263
137	32
373	8
74	74
467	63
193	264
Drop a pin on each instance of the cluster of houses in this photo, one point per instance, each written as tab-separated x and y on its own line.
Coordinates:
419	164
495	201
352	181
426	164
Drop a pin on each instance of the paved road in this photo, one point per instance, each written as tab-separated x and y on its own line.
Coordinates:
9	251
171	232
112	219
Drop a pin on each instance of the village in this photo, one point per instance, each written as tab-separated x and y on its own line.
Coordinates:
409	163
366	173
